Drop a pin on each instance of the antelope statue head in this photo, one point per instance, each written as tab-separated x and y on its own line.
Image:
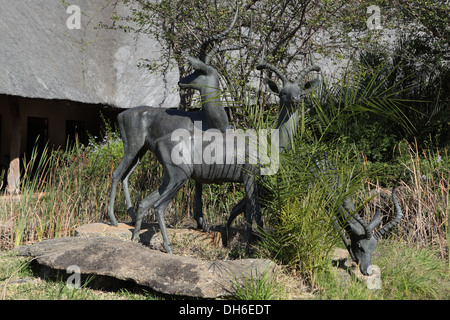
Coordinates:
362	237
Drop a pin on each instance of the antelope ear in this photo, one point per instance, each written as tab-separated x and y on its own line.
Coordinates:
310	86
376	220
272	86
198	64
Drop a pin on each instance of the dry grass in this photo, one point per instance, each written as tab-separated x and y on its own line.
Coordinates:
424	196
427	201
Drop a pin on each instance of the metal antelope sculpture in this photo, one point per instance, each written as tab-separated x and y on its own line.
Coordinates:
290	95
227	167
360	237
141	126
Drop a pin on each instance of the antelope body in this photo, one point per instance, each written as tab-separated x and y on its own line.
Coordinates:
141	126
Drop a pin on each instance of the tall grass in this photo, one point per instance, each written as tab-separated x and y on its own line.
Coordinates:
422	178
63	189
408	271
55	197
413	271
257	287
426	197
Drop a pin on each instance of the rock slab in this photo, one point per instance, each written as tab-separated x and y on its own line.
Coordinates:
162	272
149	234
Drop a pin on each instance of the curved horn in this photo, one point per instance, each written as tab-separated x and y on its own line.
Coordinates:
207	41
263	65
274	69
376	220
218	49
348	205
307	70
393	222
367	230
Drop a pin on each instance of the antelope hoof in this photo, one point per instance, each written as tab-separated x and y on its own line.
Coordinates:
114	223
168	248
130	212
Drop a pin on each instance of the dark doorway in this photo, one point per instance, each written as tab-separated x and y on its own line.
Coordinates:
37	135
1	150
76	129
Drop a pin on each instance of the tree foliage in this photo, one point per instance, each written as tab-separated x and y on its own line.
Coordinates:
410	51
287	31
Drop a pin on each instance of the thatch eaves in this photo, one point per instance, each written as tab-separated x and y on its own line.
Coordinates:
40	57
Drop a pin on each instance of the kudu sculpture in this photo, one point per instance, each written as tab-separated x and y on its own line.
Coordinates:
229	165
358	236
229	168
290	96
141	126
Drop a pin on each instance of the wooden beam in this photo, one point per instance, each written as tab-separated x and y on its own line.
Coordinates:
14	151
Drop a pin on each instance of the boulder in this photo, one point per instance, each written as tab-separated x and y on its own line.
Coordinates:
131	261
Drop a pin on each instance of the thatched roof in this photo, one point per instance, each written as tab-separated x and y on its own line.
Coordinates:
41	58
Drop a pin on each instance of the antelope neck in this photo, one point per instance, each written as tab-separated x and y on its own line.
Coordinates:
215	113
287	126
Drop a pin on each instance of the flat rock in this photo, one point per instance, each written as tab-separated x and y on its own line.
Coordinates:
131	261
149	234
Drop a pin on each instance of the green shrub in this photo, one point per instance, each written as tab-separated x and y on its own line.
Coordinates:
257	287
303	236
